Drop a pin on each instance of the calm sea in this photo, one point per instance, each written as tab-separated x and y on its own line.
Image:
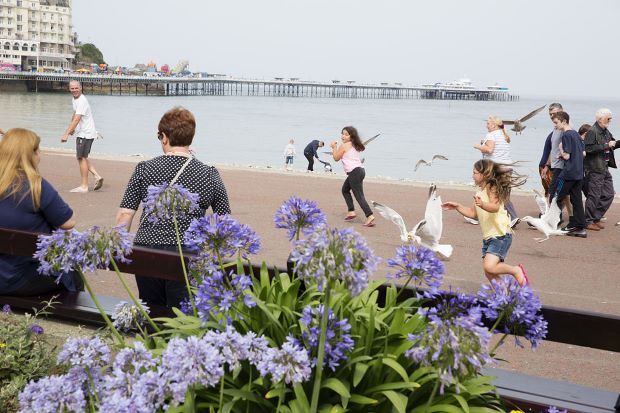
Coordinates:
254	130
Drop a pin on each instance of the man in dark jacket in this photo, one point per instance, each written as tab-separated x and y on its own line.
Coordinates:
600	146
310	152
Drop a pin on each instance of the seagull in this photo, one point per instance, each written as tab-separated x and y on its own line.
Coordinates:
541	201
518	125
548	222
427	232
429	163
367	141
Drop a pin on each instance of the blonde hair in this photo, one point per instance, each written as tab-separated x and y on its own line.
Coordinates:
17	164
500	124
499	178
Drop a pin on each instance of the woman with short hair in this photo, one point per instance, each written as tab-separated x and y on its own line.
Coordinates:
30	203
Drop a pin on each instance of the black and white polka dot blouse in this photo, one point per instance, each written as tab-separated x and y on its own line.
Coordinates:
197	178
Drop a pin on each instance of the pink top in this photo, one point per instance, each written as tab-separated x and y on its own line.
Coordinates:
351	159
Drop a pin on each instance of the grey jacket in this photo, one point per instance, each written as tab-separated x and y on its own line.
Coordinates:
596	144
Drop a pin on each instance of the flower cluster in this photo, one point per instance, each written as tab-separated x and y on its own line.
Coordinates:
63	251
36	329
221	236
298	216
518	307
88	353
52	394
6	309
219	293
457	347
329	255
167	202
291	363
338	340
420	266
127	316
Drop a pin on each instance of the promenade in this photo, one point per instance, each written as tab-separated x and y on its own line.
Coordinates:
564	271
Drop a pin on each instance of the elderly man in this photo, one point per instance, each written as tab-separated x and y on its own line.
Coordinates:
599	145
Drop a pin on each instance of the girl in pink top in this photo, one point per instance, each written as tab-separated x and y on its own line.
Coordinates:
349	153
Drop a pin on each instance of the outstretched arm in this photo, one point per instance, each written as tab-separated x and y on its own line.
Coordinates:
74	122
469	212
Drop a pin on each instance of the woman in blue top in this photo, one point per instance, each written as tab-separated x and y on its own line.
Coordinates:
28	203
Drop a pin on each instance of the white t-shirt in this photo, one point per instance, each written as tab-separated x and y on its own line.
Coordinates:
289	150
501	152
86	128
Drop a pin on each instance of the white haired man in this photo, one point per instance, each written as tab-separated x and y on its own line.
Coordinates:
600	146
82	126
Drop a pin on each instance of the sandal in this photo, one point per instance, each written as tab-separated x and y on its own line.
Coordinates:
370	223
350	217
525	278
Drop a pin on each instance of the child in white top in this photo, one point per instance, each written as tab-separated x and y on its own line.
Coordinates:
289	155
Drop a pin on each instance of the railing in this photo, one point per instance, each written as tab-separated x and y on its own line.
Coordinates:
568	326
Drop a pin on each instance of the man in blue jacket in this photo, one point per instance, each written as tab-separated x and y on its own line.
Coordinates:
310	152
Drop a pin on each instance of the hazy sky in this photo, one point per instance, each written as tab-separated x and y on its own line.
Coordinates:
535	47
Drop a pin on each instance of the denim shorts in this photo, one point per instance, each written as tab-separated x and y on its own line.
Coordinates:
497	246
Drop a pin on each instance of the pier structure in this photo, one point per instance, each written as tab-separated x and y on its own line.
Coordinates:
225	86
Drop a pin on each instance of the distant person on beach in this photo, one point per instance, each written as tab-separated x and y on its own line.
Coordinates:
82	126
570	180
495	182
28	202
496	147
583	130
175	133
289	155
544	166
349	153
600	146
310	152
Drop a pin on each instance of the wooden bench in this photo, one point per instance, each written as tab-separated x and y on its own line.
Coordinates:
575	327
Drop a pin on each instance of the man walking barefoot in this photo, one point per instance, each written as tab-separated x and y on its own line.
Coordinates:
83	128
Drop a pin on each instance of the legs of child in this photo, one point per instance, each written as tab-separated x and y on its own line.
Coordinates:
494	268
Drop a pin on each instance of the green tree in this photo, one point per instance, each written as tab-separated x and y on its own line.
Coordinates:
89	53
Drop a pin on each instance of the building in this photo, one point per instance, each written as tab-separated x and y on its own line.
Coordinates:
36	34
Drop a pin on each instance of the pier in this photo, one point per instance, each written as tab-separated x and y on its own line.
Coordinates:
103	84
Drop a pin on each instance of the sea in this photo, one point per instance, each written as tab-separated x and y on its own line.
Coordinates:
253	131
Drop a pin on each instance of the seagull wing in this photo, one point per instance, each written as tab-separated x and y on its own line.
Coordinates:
367	141
552	217
445	158
391	215
541	201
532	114
420	162
508	122
431	231
327	152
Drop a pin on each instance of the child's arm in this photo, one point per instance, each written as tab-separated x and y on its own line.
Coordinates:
492	205
469	212
487	147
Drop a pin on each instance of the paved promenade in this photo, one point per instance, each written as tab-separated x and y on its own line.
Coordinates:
564	271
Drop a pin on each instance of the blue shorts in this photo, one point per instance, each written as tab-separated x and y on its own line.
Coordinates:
497	246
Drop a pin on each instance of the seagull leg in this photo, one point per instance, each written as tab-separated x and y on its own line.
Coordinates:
541	239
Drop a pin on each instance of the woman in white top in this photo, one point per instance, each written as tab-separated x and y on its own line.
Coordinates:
349	153
496	147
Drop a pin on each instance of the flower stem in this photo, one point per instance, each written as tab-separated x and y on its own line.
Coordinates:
499	343
189	290
321	351
430	399
221	393
280	397
402	288
101	311
133	297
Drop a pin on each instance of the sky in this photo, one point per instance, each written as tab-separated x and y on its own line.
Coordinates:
566	48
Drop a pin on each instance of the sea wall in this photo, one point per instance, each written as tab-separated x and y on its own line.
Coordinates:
13	86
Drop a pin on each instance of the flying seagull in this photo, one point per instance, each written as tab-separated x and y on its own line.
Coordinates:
427	232
518	125
548	222
429	163
541	201
366	142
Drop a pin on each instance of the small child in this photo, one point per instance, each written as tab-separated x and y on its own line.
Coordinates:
495	182
289	155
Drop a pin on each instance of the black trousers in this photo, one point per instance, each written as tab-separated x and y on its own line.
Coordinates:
310	159
572	188
355	183
600	195
161	292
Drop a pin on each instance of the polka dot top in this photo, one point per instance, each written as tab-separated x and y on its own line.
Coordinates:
197	178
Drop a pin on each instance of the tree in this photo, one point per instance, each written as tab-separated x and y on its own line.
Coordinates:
89	53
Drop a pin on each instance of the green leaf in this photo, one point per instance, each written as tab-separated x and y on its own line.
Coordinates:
461	400
359	373
392	386
301	398
399	401
445	408
395	365
337	386
484	410
397	322
359	399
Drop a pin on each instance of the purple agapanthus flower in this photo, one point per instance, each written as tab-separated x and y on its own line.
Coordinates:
63	251
165	202
449	305
52	394
553	409
457	347
37	329
233	347
298	215
127	316
519	308
88	353
220	293
221	236
6	309
329	255
290	363
338	340
190	361
420	267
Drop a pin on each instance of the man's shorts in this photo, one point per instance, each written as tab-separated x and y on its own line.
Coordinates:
82	147
497	246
